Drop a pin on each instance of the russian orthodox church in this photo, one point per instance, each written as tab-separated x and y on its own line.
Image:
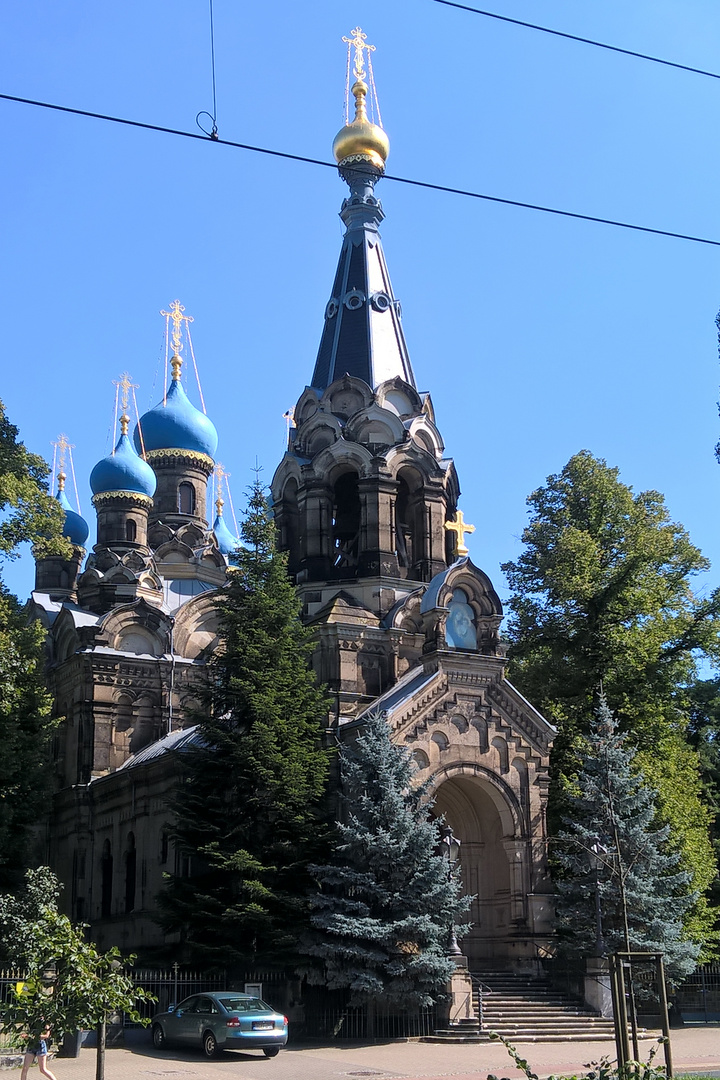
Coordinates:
366	505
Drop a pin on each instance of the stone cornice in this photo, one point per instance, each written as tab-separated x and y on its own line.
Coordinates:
174	455
104	498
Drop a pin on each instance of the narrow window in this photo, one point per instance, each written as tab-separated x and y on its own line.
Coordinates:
106	870
130	874
186	498
130	530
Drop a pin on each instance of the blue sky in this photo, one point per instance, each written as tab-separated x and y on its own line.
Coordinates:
537	336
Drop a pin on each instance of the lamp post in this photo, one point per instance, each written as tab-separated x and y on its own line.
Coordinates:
451	852
599	852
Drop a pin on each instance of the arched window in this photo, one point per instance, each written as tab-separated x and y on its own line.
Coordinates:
130	873
106	872
346	523
410	526
130	530
186	498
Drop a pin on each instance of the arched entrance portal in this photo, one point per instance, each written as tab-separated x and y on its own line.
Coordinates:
485	818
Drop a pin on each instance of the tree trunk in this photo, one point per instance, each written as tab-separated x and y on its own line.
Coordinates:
100	1065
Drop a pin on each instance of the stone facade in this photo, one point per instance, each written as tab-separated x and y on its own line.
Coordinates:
403	621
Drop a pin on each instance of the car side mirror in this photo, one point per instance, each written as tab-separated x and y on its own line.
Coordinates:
171	1008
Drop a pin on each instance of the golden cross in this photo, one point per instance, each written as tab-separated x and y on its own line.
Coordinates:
126	385
358	41
176	314
62	445
221	475
459	527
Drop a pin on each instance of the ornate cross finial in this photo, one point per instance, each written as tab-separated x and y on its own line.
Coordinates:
62	445
221	475
459	527
176	314
358	42
125	384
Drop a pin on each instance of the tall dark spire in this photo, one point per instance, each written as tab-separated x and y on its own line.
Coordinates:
362	335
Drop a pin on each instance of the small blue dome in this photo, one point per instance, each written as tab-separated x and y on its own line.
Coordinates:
123	471
225	539
76	527
176	424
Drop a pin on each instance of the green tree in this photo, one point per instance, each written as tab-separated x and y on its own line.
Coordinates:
27	514
67	984
387	905
602	593
249	812
610	846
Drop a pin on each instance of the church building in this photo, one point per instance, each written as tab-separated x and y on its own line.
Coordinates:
367	507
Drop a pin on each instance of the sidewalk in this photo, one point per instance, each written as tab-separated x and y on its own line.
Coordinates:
694	1050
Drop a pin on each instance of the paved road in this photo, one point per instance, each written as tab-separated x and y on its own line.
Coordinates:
694	1049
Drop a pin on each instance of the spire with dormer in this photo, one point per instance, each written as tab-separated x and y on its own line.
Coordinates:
362	335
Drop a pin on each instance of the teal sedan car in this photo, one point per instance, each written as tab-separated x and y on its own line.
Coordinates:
222	1021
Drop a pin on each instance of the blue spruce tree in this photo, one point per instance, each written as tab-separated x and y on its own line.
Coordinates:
387	904
610	848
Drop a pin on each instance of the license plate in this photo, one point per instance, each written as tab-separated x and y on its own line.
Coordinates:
263	1025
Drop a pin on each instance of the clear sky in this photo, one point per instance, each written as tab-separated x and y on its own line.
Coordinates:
537	336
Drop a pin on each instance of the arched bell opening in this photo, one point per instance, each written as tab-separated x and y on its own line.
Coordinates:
287	518
346	521
410	526
485	822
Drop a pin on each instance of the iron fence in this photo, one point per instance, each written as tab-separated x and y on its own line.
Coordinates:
170	986
697	1000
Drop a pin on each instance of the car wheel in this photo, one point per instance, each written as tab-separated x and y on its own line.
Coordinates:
210	1045
158	1037
271	1051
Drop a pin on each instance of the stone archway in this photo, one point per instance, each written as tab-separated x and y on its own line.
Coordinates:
485	817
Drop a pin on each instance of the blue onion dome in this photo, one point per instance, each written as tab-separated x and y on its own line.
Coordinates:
226	542
76	527
175	424
123	470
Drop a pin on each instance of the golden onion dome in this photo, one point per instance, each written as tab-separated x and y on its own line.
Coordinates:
361	140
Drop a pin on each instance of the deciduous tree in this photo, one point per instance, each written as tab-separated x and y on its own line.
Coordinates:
602	592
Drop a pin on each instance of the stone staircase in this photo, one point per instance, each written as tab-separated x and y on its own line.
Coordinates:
526	1009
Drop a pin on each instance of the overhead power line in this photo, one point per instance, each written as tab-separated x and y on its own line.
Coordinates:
331	165
576	37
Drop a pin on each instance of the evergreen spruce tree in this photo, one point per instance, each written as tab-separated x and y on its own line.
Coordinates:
610	845
387	904
249	810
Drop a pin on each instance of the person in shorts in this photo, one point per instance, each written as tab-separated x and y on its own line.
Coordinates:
38	1049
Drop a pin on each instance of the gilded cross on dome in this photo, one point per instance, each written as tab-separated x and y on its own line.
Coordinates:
62	446
176	314
220	475
459	527
125	384
359	42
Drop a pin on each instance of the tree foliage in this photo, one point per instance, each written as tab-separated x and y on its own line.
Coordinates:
610	844
27	514
387	903
602	593
25	731
27	511
249	813
67	983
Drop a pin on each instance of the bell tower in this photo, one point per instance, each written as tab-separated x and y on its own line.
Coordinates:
363	493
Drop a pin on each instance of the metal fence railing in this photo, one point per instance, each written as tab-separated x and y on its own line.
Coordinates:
171	985
697	1000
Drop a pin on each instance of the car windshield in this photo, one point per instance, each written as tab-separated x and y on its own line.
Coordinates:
245	1004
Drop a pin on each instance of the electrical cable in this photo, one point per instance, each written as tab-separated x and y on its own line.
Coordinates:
576	37
331	165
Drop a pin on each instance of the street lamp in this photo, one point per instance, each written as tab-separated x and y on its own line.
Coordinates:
599	854
451	852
